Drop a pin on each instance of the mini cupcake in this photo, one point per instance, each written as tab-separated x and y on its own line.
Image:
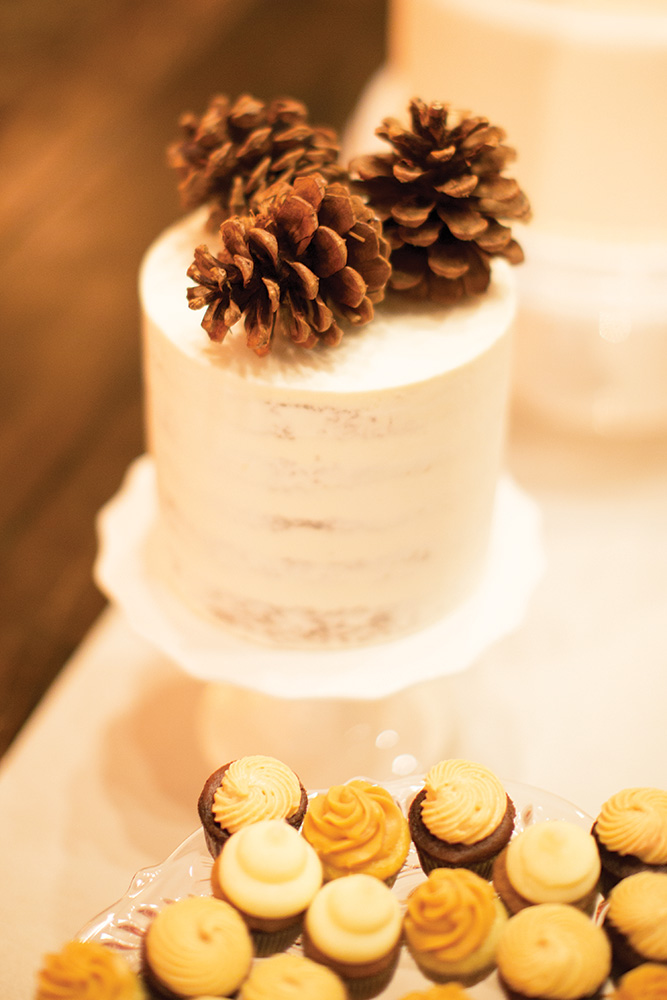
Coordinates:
551	862
270	874
646	982
358	828
86	970
353	926
636	920
197	946
246	790
292	977
452	924
631	834
552	951
462	818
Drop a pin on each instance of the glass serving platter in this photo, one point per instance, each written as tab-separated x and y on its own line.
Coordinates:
186	872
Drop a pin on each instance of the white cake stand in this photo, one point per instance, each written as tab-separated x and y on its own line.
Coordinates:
375	710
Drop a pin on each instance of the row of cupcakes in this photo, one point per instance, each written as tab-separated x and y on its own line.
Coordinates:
492	897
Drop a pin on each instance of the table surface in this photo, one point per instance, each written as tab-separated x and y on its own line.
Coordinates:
104	778
91	95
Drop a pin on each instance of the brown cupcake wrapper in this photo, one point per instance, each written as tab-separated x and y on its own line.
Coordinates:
270	942
430	863
441	975
362	981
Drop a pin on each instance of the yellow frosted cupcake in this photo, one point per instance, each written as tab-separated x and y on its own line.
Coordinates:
631	834
197	946
292	977
550	862
636	919
245	791
452	924
358	828
553	951
462	818
270	874
646	982
85	970
353	926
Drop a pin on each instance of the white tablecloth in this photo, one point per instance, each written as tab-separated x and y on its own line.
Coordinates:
104	779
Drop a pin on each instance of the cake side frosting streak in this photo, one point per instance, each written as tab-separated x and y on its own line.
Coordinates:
328	497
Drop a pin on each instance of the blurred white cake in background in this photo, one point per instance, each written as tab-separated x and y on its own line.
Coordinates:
324	498
580	87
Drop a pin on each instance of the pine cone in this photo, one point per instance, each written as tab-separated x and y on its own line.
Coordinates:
312	254
230	155
439	194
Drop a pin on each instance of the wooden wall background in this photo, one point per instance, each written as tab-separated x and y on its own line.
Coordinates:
90	94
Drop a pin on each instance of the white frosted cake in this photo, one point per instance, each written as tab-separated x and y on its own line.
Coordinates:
327	497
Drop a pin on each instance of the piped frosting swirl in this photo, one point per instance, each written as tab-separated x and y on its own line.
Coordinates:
645	982
553	862
464	802
86	970
199	945
292	977
634	821
357	827
553	951
638	909
255	788
268	870
354	919
450	915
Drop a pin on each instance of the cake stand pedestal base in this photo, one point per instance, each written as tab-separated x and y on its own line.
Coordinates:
324	738
383	710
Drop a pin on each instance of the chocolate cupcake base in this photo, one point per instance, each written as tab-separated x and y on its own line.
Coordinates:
214	834
479	857
617	866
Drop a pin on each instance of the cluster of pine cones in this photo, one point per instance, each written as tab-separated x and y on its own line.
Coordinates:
308	245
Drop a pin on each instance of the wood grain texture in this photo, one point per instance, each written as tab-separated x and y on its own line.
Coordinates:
89	98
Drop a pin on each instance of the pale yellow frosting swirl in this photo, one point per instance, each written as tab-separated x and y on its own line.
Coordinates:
357	827
646	982
268	870
638	908
464	801
553	862
634	821
254	788
198	946
85	970
553	951
450	915
354	919
292	977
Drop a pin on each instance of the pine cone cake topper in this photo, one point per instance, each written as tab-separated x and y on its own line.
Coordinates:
312	255
439	194
234	151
